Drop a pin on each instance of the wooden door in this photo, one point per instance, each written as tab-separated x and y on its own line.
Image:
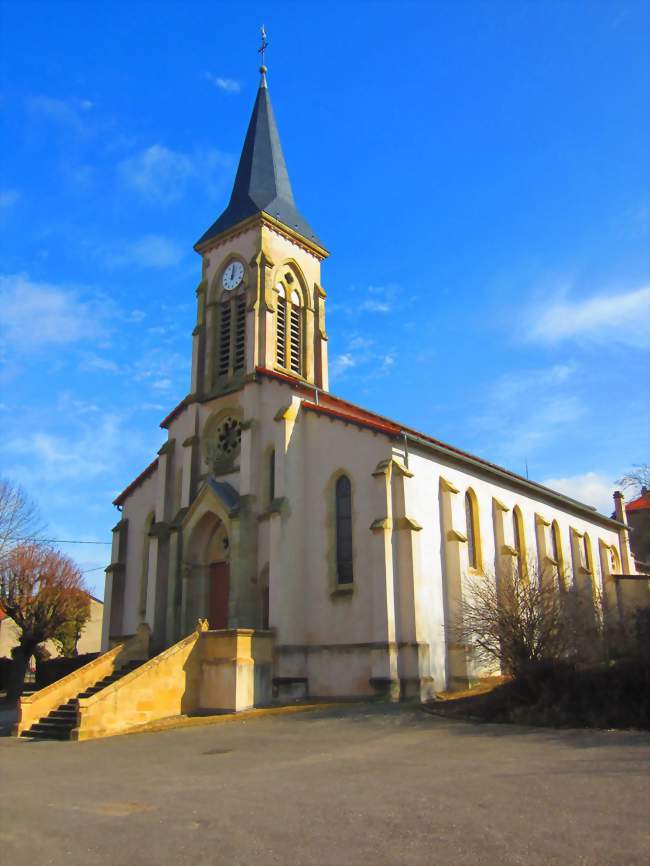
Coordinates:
219	588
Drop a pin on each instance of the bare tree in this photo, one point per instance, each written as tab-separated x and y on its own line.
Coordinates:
40	589
19	518
637	478
523	620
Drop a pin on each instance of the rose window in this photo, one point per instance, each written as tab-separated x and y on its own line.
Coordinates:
228	436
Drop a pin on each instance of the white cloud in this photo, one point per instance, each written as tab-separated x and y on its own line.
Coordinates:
35	315
362	355
376	306
229	85
341	363
161	174
96	362
151	251
589	488
380	299
523	411
606	318
68	112
8	198
80	455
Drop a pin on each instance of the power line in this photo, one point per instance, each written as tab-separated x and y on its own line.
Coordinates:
59	541
99	568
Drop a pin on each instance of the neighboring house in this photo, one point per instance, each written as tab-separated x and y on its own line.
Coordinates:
89	642
275	504
638	517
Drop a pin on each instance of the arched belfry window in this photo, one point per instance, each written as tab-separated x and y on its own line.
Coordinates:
474	552
231	330
343	530
289	328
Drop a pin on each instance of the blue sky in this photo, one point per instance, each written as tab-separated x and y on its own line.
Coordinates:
478	171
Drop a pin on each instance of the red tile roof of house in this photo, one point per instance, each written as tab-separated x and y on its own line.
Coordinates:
639	504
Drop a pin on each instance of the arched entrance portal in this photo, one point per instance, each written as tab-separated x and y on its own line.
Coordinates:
206	590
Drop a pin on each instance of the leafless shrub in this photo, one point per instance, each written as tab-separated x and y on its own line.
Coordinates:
19	518
524	620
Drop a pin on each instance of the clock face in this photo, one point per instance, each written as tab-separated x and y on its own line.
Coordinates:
233	275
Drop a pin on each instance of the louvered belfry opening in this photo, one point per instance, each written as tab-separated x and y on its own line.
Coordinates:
281	328
231	348
224	338
288	330
296	340
240	333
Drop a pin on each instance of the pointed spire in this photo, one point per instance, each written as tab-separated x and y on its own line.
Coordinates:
262	182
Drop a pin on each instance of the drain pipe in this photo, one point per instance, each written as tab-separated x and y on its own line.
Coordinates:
406	449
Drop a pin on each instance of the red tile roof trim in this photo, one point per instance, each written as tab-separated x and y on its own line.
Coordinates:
327	401
389	429
175	412
151	468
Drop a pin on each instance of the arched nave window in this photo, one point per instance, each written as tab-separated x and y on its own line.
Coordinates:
556	553
474	552
519	540
614	560
587	561
343	530
288	330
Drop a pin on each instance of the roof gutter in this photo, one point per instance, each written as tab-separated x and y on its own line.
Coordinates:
515	480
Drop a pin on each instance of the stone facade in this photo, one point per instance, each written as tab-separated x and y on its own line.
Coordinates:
244	518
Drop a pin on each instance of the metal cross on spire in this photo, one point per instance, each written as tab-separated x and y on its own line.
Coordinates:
263	46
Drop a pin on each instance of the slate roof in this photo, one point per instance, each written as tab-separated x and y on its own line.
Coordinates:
262	183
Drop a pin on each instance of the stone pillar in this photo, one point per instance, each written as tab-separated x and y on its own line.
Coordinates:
209	362
227	670
321	372
545	563
113	615
453	539
384	675
627	561
633	594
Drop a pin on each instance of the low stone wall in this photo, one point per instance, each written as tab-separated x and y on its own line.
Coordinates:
35	706
208	671
166	685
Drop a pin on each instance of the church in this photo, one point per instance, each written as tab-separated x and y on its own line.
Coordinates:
277	508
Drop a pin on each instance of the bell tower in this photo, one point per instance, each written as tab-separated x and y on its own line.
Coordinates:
260	302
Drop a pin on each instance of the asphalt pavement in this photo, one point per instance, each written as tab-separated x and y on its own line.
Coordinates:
361	784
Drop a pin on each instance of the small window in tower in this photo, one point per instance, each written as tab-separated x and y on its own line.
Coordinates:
224	339
240	333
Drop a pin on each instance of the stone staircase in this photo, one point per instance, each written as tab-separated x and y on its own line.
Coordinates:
59	722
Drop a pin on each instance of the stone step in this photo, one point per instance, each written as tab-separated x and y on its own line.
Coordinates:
45	731
58	723
62	716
